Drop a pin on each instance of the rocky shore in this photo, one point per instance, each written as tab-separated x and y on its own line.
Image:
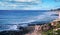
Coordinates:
37	29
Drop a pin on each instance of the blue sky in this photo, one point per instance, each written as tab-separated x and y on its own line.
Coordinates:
29	4
22	16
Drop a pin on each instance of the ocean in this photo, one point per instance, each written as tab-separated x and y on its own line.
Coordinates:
10	19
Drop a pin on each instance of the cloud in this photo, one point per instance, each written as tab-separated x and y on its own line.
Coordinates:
17	5
28	4
24	0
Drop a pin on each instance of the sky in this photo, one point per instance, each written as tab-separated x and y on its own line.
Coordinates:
29	4
25	16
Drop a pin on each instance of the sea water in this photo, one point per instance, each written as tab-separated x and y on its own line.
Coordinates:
10	19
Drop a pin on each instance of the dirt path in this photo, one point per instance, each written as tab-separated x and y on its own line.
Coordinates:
34	33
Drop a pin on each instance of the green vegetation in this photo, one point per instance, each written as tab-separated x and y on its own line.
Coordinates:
48	32
58	25
52	31
58	32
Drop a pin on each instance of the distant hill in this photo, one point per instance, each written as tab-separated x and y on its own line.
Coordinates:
55	9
